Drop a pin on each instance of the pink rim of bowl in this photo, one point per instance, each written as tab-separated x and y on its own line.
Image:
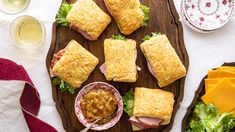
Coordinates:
85	90
208	18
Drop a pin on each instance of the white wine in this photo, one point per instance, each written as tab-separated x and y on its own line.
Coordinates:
27	31
13	6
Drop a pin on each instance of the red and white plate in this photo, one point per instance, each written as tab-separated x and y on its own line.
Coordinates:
207	15
84	91
185	20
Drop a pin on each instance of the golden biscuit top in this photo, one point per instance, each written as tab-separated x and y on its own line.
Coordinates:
120	58
127	14
155	103
88	17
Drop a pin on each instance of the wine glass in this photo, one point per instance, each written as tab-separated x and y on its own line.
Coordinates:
27	32
13	6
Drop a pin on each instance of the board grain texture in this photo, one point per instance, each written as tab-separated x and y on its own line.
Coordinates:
164	19
197	97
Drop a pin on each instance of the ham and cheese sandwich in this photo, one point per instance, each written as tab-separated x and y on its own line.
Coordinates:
73	64
129	14
120	60
87	18
162	59
152	108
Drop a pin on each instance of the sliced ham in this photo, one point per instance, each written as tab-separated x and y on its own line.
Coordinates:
150	69
85	34
136	122
145	122
51	73
136	73
57	56
55	59
138	68
103	68
150	122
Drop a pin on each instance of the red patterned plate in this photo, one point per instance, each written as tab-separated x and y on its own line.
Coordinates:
189	24
208	14
85	90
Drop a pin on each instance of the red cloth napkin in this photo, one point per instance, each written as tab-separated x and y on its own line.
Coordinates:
30	99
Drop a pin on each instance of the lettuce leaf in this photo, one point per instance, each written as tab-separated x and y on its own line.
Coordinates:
128	101
147	37
63	86
119	37
62	14
146	12
196	126
209	119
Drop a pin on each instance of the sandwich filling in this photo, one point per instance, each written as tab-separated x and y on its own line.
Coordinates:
62	14
145	122
147	118
57	56
146	11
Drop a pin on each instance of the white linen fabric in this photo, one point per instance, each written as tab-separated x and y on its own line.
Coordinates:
205	52
33	61
9	104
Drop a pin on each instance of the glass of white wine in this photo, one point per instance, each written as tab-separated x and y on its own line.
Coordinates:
27	32
13	6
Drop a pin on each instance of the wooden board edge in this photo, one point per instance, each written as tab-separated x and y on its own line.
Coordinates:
191	106
51	52
54	90
175	20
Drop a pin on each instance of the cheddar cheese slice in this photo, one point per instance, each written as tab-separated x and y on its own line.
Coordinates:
222	95
226	68
210	83
220	74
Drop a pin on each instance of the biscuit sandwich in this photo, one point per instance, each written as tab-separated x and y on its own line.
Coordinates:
129	14
73	64
120	59
162	60
148	108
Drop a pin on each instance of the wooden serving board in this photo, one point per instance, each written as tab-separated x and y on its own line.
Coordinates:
163	18
197	97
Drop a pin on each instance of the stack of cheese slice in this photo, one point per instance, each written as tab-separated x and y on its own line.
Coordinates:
220	88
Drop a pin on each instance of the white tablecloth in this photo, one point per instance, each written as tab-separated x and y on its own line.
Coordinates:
205	52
